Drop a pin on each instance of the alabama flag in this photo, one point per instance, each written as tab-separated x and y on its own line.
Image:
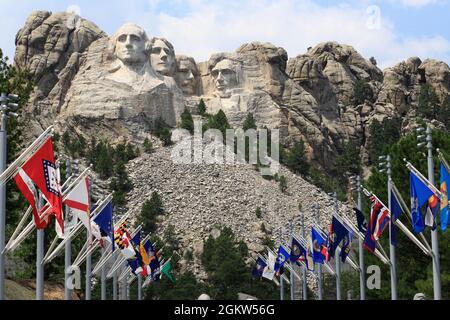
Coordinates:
40	172
78	202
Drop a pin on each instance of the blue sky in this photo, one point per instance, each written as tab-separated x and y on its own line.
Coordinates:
389	30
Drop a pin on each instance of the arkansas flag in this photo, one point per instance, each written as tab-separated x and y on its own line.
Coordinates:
40	172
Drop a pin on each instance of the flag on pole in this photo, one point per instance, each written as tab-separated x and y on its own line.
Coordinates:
337	233
362	224
420	194
123	240
40	170
298	252
396	210
166	271
269	272
154	261
319	253
258	270
379	219
309	256
102	226
346	246
445	180
78	202
282	257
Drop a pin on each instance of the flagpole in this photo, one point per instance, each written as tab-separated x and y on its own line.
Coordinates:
3	151
434	234
291	229
88	273
124	284
319	271
115	286
304	282
68	244
392	257
338	251
139	287
40	258
280	230
362	274
103	279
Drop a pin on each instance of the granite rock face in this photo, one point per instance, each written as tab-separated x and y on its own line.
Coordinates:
309	97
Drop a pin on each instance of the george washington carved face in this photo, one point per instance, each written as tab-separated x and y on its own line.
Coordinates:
131	45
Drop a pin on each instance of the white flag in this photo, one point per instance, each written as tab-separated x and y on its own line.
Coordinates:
78	202
269	272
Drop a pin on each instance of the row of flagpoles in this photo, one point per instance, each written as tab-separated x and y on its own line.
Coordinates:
320	247
36	174
124	255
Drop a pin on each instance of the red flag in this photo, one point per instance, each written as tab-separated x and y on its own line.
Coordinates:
41	170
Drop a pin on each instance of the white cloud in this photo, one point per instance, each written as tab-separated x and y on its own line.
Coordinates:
200	28
293	25
416	3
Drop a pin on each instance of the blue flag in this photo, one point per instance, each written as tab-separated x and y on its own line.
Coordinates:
338	232
346	246
104	220
362	224
420	194
396	211
259	268
298	252
445	181
319	246
282	257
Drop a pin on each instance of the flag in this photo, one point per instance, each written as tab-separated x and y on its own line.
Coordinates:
432	210
282	257
309	256
362	224
445	180
420	194
123	241
396	210
166	271
319	246
40	170
346	246
102	228
154	262
78	202
269	272
259	268
338	232
298	252
379	219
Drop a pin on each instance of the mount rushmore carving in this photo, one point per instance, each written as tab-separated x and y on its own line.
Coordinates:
126	82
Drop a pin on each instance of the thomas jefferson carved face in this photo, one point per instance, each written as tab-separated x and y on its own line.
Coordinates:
224	74
163	58
187	75
131	44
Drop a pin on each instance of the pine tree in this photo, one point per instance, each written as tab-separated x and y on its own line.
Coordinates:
201	107
296	158
148	146
362	91
187	122
120	184
219	121
151	209
249	122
